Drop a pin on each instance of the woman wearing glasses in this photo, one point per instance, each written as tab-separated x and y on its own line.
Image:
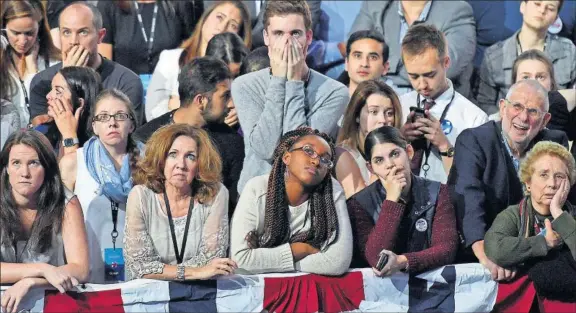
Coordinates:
294	219
103	169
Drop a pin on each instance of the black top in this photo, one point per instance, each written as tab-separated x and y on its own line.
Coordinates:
174	23
113	75
561	119
228	142
53	10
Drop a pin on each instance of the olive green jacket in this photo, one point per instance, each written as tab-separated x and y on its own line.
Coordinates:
506	247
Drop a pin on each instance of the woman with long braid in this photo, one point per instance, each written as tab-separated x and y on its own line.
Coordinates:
294	219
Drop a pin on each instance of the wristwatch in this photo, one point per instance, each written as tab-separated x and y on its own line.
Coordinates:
70	142
180	268
449	153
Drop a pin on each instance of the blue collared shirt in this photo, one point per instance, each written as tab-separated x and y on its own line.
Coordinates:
404	25
515	161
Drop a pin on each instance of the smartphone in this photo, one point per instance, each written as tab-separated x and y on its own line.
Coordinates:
382	261
418	113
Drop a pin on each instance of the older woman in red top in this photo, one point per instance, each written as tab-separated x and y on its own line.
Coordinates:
401	222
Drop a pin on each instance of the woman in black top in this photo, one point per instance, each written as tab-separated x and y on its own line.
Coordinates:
126	21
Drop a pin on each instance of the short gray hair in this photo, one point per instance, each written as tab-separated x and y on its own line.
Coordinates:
535	86
96	15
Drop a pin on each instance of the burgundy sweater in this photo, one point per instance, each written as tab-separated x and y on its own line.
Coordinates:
370	239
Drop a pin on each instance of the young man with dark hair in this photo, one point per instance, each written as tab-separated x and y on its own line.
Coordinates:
445	113
80	26
273	101
496	68
204	91
366	57
394	17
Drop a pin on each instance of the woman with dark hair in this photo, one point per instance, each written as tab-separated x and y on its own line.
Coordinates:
224	16
42	239
177	215
100	173
230	48
137	31
30	48
73	94
401	222
373	104
294	219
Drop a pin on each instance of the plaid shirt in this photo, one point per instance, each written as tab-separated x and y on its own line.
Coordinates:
496	69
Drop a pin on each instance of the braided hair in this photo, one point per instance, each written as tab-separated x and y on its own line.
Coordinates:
322	210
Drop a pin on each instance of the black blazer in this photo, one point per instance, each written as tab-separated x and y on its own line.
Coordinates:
483	180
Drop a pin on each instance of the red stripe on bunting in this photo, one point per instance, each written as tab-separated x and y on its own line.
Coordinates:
109	301
313	293
516	296
550	306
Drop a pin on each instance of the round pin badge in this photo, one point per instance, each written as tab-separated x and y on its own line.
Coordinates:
447	127
556	27
421	225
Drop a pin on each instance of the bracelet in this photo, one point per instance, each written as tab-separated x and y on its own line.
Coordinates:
180	268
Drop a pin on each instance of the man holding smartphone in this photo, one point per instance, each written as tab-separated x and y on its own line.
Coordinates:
435	112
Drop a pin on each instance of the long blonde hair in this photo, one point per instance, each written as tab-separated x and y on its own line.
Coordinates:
192	45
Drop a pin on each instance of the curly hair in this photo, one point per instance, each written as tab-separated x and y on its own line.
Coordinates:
150	169
547	148
324	219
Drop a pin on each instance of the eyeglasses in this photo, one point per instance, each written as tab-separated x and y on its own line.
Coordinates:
518	108
117	117
324	161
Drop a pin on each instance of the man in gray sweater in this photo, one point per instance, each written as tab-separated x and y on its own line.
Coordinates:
275	100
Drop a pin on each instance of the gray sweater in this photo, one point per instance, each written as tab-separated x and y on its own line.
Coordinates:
269	106
249	215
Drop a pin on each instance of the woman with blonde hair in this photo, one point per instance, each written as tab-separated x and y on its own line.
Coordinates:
373	104
224	16
538	234
30	48
177	215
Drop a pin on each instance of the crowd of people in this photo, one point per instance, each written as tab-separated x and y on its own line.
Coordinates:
167	140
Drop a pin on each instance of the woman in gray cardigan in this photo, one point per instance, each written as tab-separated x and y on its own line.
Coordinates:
294	219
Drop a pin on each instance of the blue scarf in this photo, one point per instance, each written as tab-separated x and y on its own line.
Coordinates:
113	184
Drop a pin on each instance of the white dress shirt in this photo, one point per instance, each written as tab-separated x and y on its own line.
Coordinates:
462	114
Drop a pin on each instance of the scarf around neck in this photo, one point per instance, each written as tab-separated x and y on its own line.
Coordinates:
113	184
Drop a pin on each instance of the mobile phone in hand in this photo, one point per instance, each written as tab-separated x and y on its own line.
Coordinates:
418	113
382	261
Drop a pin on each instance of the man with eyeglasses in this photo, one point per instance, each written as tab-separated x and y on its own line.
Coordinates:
484	176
